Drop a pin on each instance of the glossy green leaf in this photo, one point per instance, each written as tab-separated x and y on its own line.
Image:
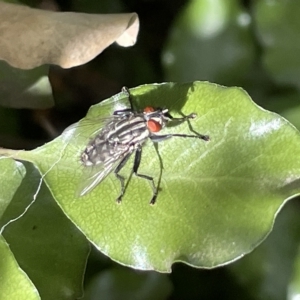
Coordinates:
210	40
14	283
289	107
218	199
293	115
46	245
278	28
11	176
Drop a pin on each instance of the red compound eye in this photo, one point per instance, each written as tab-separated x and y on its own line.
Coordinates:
149	109
153	126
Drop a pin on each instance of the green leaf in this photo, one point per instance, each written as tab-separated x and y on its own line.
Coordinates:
218	199
210	40
11	176
46	245
278	30
286	104
14	284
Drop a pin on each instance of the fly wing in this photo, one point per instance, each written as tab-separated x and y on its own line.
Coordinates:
95	124
90	125
92	176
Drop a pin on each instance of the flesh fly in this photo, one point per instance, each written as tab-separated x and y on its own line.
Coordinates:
122	135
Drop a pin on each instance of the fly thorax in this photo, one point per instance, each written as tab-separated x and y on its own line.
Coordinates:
130	131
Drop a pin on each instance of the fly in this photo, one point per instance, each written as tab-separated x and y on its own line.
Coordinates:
123	135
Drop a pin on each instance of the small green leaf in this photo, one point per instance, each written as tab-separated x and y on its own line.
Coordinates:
46	245
11	176
218	199
14	284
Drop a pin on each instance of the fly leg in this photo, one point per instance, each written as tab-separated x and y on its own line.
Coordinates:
123	112
161	166
120	177
137	160
126	91
187	119
160	138
201	136
126	111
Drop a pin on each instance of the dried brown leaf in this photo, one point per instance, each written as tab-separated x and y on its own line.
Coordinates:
33	37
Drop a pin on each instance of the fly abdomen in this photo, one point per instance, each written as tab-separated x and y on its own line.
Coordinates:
102	153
